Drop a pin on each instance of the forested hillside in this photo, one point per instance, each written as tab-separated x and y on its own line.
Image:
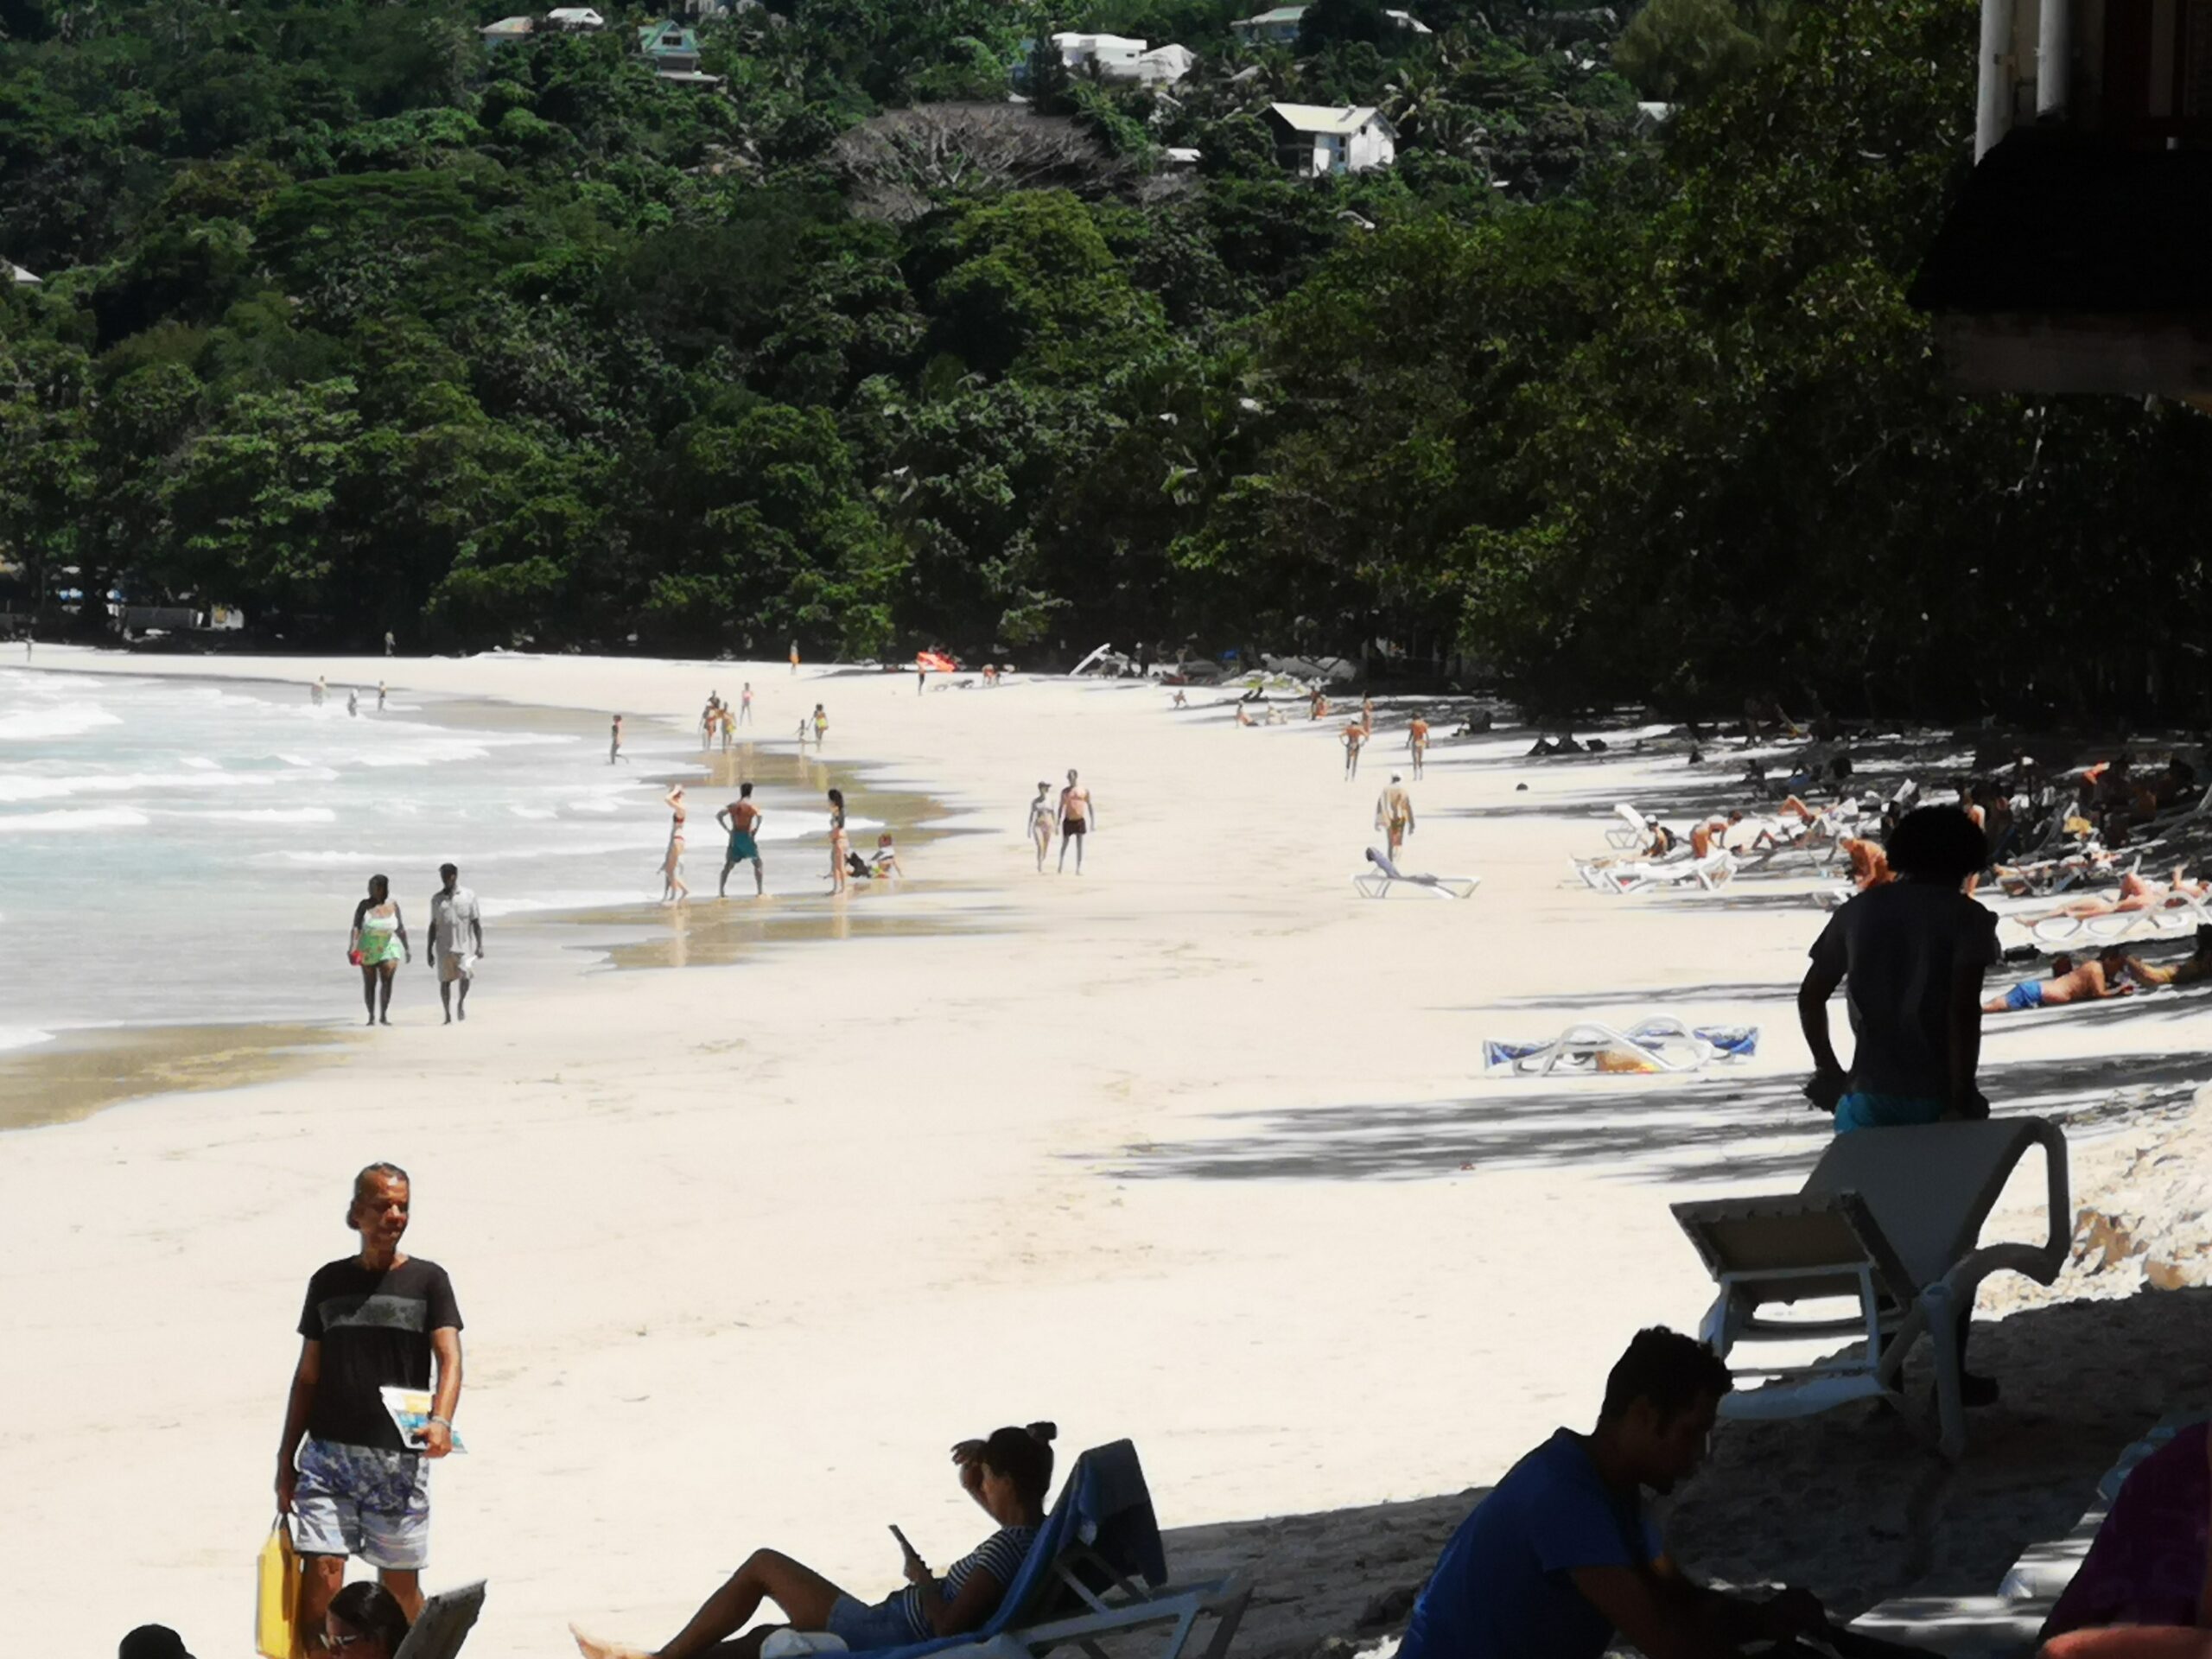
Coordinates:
355	321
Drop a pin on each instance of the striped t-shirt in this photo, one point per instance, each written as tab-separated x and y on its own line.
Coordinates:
1000	1555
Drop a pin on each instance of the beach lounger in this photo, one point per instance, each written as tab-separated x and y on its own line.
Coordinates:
1097	1570
1632	834
1660	1045
444	1623
1709	873
1889	1217
2170	921
1386	880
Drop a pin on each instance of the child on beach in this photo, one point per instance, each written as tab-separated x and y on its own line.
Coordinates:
1007	1475
885	862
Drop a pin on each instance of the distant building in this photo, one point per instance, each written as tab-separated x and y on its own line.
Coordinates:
673	50
1122	57
2074	259
508	30
1280	26
17	276
577	19
1311	139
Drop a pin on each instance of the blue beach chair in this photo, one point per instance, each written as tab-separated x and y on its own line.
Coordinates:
1096	1570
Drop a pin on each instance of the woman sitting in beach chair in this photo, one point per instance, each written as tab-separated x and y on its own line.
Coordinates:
1008	1474
2145	1588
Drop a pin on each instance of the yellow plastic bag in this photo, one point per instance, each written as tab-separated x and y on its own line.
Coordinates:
277	1599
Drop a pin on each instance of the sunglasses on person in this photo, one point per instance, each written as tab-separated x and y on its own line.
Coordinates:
339	1643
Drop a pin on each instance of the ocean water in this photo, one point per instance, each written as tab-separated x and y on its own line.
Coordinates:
186	850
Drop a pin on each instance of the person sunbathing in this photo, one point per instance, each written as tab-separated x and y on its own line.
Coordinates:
2092	981
2136	893
2189	971
1008	1474
2144	1589
1870	865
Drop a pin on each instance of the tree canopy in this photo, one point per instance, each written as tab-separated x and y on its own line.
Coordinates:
350	318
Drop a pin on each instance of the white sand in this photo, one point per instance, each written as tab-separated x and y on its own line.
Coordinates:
1196	1151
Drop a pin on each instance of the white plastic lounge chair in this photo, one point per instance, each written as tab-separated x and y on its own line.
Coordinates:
1631	834
1657	1044
1709	872
1387	881
1891	1218
2168	921
443	1623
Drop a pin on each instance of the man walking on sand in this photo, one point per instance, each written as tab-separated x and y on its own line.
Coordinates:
456	939
1077	815
1417	742
353	1486
745	704
615	741
1394	813
1355	735
740	819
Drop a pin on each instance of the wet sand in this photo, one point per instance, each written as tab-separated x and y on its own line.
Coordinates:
80	1072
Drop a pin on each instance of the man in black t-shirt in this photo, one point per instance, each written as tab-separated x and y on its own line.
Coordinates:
374	1320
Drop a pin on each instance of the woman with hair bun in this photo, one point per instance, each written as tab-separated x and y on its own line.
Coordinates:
1008	1474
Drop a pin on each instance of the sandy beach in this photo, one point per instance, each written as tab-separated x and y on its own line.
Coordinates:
1195	1149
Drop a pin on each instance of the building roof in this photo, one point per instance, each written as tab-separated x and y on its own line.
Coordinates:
1181	56
575	17
1097	42
510	26
17	274
1280	14
1321	118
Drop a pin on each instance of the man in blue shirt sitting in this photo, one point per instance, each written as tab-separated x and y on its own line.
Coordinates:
1561	1554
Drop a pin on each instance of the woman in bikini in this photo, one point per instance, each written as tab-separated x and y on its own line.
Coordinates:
840	848
672	890
377	946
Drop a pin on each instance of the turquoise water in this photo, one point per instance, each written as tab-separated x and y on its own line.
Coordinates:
188	850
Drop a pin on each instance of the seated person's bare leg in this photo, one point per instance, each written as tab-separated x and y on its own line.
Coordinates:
767	1575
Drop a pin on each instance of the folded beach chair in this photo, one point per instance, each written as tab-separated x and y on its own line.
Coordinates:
1097	1570
443	1624
1890	1218
1631	834
1386	880
1709	872
1660	1045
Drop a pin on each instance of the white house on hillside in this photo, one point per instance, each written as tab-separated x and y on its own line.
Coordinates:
1121	57
579	18
1279	26
1311	139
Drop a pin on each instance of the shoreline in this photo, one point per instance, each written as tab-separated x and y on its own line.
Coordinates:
1203	1115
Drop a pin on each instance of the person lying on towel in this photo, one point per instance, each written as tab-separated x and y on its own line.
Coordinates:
1008	1474
1561	1552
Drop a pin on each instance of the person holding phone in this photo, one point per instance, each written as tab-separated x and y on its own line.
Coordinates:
1007	1474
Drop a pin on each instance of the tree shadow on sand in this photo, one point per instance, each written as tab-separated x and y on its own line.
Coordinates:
1711	1128
1855	1503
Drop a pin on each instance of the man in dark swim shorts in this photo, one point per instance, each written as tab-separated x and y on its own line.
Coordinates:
741	818
1076	815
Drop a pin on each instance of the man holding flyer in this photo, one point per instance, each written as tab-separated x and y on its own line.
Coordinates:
373	1322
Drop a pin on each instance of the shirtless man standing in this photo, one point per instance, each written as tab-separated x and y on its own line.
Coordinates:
1417	741
1394	814
2090	982
1077	817
615	741
1355	735
740	819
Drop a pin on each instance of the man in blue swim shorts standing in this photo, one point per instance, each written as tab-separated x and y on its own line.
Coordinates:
351	1484
742	820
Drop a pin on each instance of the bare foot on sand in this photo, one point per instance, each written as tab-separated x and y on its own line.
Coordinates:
592	1648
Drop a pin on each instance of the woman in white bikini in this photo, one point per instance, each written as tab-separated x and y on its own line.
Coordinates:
1042	821
672	890
840	848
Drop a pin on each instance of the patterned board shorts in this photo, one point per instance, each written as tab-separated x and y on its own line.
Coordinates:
364	1501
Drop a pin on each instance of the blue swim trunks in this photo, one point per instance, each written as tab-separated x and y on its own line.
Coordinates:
2028	993
743	846
1865	1111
